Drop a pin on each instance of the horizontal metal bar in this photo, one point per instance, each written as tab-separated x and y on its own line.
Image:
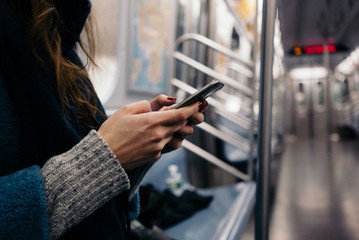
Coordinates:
233	139
243	121
244	141
183	86
240	69
214	160
212	44
246	101
237	119
212	73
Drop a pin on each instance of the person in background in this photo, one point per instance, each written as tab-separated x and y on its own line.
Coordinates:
66	170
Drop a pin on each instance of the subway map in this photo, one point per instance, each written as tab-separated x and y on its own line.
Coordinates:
150	46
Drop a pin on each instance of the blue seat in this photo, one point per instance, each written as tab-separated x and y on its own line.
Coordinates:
224	218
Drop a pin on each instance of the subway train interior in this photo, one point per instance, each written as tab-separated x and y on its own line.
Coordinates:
276	157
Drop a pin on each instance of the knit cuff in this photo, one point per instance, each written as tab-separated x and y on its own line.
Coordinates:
80	181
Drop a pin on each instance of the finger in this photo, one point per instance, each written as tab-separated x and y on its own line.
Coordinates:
175	143
203	106
177	115
138	107
161	100
197	118
167	107
185	131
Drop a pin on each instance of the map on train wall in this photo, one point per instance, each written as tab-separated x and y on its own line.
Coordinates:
150	45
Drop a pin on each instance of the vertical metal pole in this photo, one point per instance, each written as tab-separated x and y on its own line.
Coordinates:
265	120
326	64
254	95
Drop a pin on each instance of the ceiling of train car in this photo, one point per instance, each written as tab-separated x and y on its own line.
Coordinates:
317	22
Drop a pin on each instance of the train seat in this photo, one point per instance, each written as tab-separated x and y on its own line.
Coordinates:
224	218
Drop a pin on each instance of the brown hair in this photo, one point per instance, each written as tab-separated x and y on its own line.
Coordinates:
73	81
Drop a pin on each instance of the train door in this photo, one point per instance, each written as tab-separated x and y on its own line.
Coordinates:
310	111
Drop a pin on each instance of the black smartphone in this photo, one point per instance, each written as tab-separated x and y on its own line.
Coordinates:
201	94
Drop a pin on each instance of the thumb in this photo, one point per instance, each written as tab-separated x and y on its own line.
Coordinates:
160	101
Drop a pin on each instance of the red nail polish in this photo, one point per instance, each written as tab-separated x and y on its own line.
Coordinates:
172	98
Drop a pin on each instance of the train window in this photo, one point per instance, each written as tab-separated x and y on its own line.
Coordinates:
345	90
318	95
300	98
336	93
235	39
340	91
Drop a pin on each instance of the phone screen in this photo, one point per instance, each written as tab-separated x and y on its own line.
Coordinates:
201	94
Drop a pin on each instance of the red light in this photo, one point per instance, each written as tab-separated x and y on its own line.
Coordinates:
319	49
332	48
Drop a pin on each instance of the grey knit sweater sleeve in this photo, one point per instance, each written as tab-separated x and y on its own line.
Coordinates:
80	181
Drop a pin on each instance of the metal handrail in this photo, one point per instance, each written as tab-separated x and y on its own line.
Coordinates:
234	140
245	106
242	121
247	70
212	73
212	44
240	69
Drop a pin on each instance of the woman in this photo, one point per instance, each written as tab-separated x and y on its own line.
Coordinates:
65	170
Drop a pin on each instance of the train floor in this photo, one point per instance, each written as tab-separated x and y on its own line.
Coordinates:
317	193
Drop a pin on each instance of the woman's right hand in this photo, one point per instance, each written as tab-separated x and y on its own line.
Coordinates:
137	135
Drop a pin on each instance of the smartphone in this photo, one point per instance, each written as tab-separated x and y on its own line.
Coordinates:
201	94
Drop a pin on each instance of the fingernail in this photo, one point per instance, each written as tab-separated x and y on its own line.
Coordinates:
172	98
202	106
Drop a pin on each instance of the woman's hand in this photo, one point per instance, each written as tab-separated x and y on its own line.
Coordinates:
178	137
137	133
161	103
